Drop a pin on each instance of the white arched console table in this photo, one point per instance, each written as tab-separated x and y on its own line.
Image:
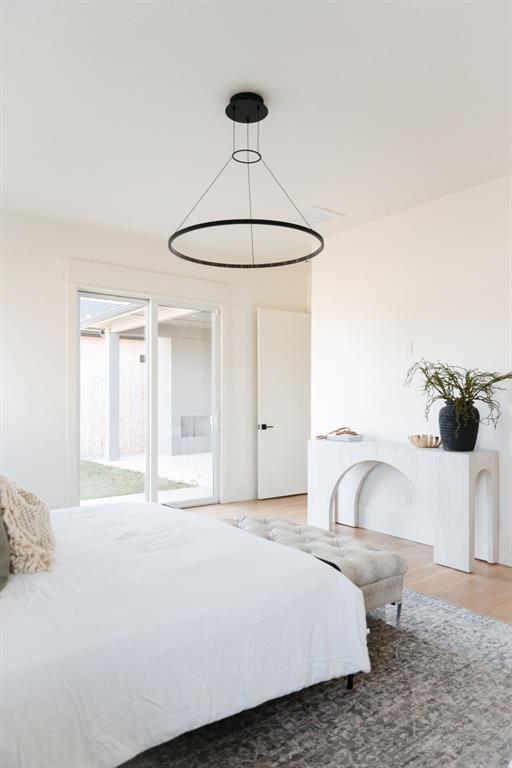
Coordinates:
445	483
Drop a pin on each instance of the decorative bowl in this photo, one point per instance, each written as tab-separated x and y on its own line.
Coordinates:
425	441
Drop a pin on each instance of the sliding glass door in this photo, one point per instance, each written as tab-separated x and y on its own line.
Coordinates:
147	401
185	404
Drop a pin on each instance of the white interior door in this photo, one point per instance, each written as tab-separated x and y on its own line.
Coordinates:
283	402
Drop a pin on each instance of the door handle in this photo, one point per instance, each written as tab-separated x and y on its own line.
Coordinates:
265	426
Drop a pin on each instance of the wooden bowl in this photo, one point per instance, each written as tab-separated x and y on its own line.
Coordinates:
425	441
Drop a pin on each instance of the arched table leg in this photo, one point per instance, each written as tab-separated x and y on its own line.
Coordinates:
444	482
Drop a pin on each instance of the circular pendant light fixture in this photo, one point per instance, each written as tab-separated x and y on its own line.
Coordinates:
248	108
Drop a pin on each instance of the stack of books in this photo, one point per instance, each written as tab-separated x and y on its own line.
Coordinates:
345	438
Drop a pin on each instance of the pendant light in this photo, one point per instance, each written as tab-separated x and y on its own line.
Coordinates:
247	109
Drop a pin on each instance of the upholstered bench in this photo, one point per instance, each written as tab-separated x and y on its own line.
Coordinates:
378	574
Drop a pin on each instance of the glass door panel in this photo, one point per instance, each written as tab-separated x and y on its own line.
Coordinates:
112	398
185	405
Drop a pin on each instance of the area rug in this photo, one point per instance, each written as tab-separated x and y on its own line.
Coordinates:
439	695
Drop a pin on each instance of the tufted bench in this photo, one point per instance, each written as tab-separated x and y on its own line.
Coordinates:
378	574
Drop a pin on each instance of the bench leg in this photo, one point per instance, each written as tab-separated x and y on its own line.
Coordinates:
398	612
350	682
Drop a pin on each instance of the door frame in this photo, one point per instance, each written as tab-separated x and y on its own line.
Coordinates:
73	387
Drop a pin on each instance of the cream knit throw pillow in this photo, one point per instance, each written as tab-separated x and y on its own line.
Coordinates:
27	522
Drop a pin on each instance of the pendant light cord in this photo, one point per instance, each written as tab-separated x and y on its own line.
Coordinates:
219	174
205	192
287	195
250	200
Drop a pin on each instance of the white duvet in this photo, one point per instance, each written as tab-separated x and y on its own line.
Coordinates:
155	621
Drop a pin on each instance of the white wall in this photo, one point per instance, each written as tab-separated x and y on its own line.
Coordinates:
40	259
438	276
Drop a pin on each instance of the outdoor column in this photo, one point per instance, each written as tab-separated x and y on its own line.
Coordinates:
112	448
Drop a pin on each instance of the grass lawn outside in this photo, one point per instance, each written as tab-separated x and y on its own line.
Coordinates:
99	481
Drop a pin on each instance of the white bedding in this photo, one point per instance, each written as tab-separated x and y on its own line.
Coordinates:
155	621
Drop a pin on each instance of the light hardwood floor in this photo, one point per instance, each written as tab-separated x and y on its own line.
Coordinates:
488	590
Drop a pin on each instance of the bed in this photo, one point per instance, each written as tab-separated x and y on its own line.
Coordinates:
156	621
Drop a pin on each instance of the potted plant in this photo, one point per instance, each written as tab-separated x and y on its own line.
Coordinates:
460	388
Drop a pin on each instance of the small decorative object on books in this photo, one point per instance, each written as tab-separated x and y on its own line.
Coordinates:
343	434
460	388
345	438
425	441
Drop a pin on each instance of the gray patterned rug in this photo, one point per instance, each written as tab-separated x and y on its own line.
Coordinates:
439	695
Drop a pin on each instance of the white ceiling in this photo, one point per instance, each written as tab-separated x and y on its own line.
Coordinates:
114	111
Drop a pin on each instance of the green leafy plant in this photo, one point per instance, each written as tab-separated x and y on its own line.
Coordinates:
461	386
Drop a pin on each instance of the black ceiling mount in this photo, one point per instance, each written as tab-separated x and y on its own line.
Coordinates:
249	108
246	108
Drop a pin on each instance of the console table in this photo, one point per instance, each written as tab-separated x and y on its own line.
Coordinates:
445	483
